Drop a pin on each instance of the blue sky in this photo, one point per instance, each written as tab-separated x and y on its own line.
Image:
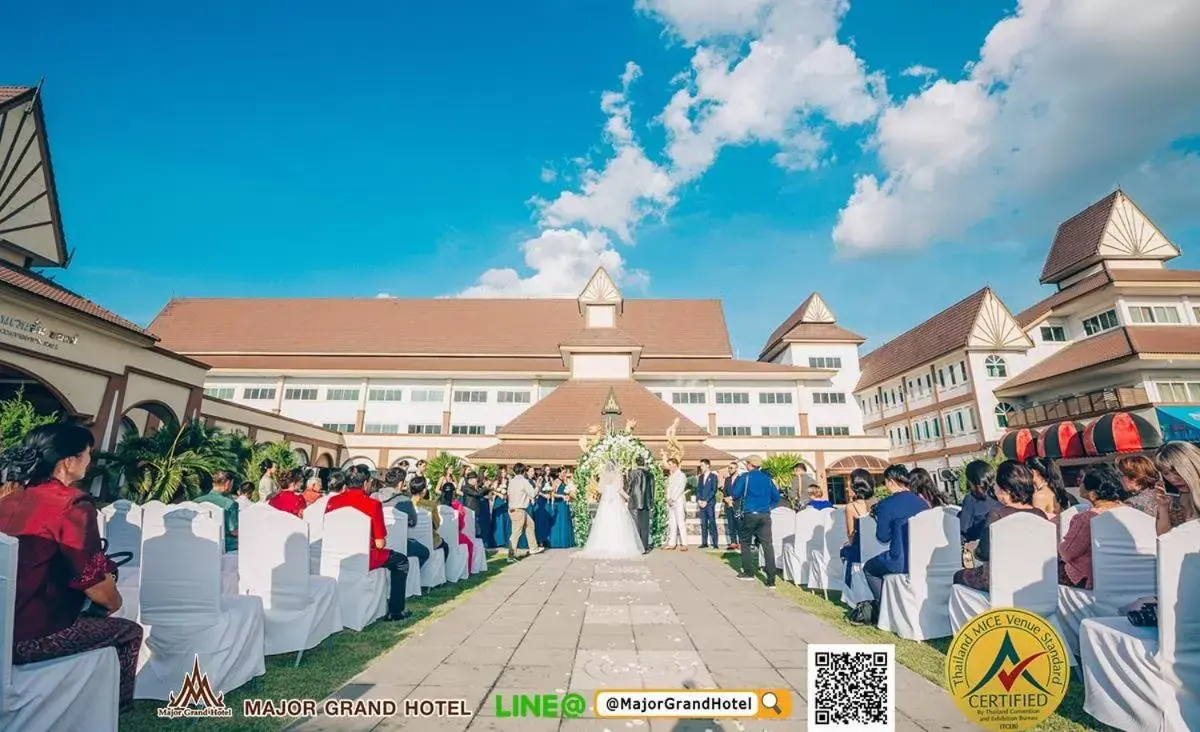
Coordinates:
283	149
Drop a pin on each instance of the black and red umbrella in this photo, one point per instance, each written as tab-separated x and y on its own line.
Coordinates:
1120	432
1020	444
1063	440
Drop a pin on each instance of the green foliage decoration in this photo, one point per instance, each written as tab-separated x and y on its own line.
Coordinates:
17	417
622	449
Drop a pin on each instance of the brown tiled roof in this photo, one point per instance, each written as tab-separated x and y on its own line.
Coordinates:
576	405
498	327
1035	312
35	284
601	337
415	364
717	365
947	331
1077	241
853	462
510	451
794	329
12	92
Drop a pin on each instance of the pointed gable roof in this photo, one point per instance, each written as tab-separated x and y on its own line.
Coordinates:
578	404
30	220
600	290
1111	228
814	322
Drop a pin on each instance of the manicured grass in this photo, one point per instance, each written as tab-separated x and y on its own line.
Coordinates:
323	669
926	658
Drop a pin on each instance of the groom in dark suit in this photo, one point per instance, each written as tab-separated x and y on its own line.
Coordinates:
639	484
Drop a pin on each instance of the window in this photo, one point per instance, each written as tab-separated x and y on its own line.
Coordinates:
687	397
424	429
937	427
1054	334
374	428
953	378
961	428
971	419
300	395
949	424
1196	313
996	368
428	395
466	429
1003	409
219	392
1178	391
1154	314
338	427
733	431
259	392
779	431
384	395
733	397
774	397
829	397
1106	320
825	362
470	397
834	431
962	365
341	395
941	378
513	397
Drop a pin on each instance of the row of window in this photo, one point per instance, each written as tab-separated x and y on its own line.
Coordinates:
732	397
742	431
1178	391
957	422
379	428
310	394
825	362
920	386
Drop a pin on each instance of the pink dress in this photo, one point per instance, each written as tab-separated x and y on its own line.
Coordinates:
461	512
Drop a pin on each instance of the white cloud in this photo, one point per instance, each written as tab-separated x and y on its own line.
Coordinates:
920	71
548	175
1067	96
561	260
384	296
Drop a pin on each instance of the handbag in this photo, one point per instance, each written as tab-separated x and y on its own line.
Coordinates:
114	562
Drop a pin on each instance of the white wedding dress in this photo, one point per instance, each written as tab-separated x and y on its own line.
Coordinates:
614	533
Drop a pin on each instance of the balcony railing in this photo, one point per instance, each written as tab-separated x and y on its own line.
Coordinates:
1081	406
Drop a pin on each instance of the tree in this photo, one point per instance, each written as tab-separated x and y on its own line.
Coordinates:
780	466
436	467
175	473
207	449
279	453
17	417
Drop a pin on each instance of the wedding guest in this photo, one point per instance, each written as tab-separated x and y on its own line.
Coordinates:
501	523
1103	483
419	488
921	483
312	490
355	497
1144	484
1179	463
817	499
218	486
543	519
757	494
706	500
267	487
404	506
1051	496
472	498
979	502
862	488
288	499
797	495
336	483
562	532
1014	491
60	564
245	495
732	525
676	511
460	513
892	515
520	496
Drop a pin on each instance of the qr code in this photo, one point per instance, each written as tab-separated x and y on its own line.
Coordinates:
851	687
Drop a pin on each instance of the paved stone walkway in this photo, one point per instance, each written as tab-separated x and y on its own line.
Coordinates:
552	623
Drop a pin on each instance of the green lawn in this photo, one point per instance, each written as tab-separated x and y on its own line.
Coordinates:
323	669
926	658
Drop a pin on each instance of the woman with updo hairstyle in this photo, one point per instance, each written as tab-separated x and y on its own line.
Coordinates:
60	563
862	489
1050	494
1014	491
1103	482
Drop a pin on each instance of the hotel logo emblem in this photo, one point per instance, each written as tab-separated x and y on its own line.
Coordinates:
195	698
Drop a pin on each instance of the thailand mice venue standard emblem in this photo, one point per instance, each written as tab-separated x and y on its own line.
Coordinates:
1008	669
196	698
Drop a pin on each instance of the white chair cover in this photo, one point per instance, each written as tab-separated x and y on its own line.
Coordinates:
1124	567
397	541
796	554
123	529
916	605
825	571
456	560
299	610
479	552
76	693
314	516
229	565
1064	519
184	614
362	591
433	573
1148	678
869	548
783	527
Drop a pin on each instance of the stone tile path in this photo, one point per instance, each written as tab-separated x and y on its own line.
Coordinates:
552	623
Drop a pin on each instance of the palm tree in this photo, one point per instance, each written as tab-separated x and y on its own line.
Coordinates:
176	471
215	448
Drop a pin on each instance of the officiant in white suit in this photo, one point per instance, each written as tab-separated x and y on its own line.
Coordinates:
676	517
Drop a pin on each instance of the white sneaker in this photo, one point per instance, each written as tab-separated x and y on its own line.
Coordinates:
539	550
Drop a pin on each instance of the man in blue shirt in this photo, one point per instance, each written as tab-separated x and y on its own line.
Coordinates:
706	499
756	494
891	525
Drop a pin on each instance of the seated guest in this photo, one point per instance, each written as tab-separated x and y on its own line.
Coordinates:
1179	464
219	486
817	498
1050	495
354	496
460	511
312	490
1103	484
404	505
862	488
891	525
980	501
1014	490
336	482
245	497
60	564
419	488
288	499
1145	488
921	483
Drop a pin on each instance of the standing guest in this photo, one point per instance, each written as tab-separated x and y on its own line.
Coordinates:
543	519
60	563
245	493
501	523
460	514
520	496
676	517
483	517
757	495
312	490
419	469
219	485
862	489
1051	496
732	525
267	487
892	515
921	483
473	494
706	499
979	502
288	499
798	488
404	506
379	556
1103	482
817	497
1014	490
562	533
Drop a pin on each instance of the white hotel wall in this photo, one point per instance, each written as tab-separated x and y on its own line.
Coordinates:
844	381
754	414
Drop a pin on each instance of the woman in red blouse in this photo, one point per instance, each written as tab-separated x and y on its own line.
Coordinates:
460	511
288	499
1103	486
59	561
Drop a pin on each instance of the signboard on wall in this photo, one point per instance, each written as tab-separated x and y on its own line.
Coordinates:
34	333
1179	423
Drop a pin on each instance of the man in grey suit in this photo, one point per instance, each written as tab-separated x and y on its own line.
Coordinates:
520	496
639	485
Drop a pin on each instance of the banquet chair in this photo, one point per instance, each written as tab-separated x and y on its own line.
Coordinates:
362	591
1064	519
397	540
76	693
783	534
479	557
916	605
299	610
456	559
1124	557
825	571
185	617
314	516
122	522
229	560
869	548
796	553
1145	678
433	572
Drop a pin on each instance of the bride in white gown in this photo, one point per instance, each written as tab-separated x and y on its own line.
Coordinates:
614	533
